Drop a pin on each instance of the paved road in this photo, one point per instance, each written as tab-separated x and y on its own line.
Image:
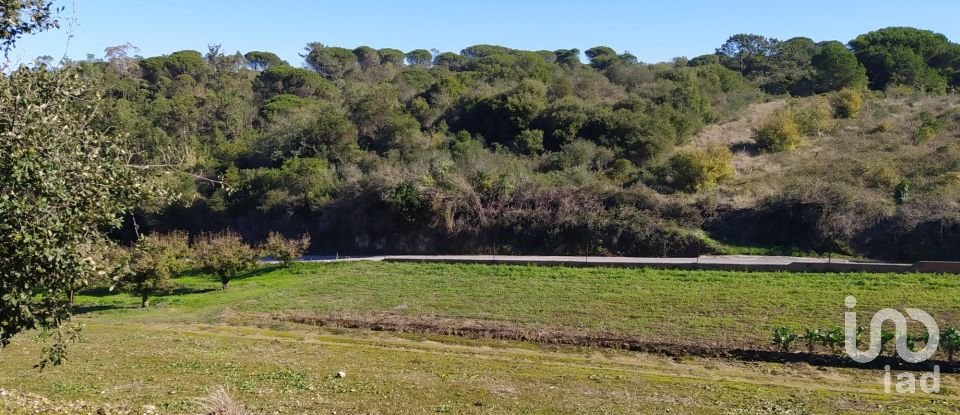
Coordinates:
724	259
706	259
723	262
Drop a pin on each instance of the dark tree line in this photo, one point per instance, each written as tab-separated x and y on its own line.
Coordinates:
385	150
893	56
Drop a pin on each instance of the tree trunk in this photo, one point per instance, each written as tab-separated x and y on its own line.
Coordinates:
144	301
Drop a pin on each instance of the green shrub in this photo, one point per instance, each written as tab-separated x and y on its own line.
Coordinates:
898	91
881	128
283	249
847	103
530	141
924	133
813	119
901	193
406	201
811	337
832	339
928	129
950	341
621	170
915	341
886	336
881	177
701	169
783	338
779	133
226	255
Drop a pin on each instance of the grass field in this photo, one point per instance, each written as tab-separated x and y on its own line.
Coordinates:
708	306
200	337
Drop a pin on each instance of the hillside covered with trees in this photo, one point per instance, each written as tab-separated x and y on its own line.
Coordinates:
385	151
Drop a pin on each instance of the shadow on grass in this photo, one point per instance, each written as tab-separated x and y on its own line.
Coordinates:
85	309
105	291
102	292
184	290
97	292
257	272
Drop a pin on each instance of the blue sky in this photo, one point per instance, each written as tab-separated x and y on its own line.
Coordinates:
654	31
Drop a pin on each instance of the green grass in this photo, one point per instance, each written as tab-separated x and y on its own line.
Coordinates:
200	337
727	248
711	306
169	367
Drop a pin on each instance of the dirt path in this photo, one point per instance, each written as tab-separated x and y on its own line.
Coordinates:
739	130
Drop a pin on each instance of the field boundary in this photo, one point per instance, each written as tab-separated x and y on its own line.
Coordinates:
737	263
495	330
716	263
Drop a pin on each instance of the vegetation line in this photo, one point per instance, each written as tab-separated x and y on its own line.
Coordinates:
478	329
693	264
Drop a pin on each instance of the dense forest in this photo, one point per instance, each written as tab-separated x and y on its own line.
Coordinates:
384	151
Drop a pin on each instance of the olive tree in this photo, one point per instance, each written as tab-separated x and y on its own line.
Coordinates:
63	181
24	17
225	255
153	261
285	250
